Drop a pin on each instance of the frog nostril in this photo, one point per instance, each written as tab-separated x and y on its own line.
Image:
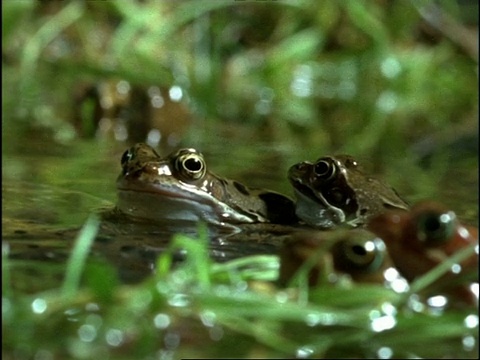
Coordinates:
127	156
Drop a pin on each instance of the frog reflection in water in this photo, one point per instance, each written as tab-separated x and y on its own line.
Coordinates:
330	256
335	191
179	187
423	238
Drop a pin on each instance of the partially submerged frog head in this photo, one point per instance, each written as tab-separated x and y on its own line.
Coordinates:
180	187
425	237
335	191
328	255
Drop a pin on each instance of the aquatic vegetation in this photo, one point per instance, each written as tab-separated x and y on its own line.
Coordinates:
264	84
235	308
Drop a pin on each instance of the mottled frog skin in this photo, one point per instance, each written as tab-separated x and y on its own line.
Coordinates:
335	191
425	237
357	254
179	187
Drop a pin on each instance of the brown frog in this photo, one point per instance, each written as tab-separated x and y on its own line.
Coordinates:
425	237
335	191
330	255
179	187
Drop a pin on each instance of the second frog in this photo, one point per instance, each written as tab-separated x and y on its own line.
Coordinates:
335	191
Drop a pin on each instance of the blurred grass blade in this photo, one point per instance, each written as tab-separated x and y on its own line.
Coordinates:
261	333
77	259
163	265
438	271
297	47
47	33
197	262
254	267
13	12
101	278
363	17
6	290
138	19
198	256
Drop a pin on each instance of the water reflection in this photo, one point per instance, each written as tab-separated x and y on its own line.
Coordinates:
132	247
114	337
42	217
39	306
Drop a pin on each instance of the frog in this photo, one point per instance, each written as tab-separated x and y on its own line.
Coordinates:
423	238
33	233
179	186
335	191
356	254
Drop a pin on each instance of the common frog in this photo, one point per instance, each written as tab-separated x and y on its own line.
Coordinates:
180	187
423	238
355	253
335	191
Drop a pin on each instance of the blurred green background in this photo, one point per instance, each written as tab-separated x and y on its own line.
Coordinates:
256	85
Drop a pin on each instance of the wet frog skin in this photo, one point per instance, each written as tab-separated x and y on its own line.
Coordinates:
334	191
356	253
421	239
179	187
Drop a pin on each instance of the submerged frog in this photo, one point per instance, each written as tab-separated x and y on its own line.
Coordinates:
180	187
423	238
335	191
356	253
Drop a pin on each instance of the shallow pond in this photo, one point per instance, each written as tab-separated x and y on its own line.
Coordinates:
49	190
256	86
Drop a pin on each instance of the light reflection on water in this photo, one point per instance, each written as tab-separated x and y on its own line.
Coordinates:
39	306
42	193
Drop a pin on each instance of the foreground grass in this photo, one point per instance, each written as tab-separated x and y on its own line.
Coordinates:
204	309
322	77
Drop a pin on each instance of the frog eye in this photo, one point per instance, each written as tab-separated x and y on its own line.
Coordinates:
354	254
190	165
127	156
435	228
324	169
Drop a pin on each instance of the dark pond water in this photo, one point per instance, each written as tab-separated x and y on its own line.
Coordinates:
49	190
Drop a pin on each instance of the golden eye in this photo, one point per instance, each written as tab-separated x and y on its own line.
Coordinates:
435	228
324	169
355	254
190	164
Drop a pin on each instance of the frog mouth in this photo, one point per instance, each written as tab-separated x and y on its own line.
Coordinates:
169	191
313	208
304	193
189	198
307	192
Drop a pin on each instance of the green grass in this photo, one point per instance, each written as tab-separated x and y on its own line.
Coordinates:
299	78
74	268
306	64
204	309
